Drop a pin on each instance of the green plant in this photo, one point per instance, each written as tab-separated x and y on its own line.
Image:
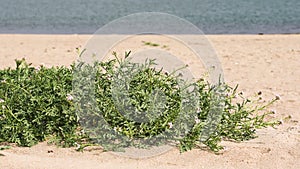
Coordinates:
46	103
239	121
35	104
4	147
150	44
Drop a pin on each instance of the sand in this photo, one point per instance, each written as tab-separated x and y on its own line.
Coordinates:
266	63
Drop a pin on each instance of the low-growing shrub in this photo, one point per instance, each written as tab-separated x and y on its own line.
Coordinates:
38	104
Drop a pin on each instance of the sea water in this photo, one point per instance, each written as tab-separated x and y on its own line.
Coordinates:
211	16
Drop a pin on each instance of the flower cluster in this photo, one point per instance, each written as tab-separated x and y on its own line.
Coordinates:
69	97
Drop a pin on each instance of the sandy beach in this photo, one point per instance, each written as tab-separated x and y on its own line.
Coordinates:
266	63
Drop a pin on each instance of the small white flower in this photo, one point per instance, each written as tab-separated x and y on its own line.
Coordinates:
77	145
1	101
170	125
3	107
3	81
117	129
197	121
69	97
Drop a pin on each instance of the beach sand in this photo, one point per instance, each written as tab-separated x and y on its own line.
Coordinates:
266	63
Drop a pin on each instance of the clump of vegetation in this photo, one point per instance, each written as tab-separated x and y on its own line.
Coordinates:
35	105
38	104
151	44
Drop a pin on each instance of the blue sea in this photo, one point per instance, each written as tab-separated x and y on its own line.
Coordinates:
211	16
